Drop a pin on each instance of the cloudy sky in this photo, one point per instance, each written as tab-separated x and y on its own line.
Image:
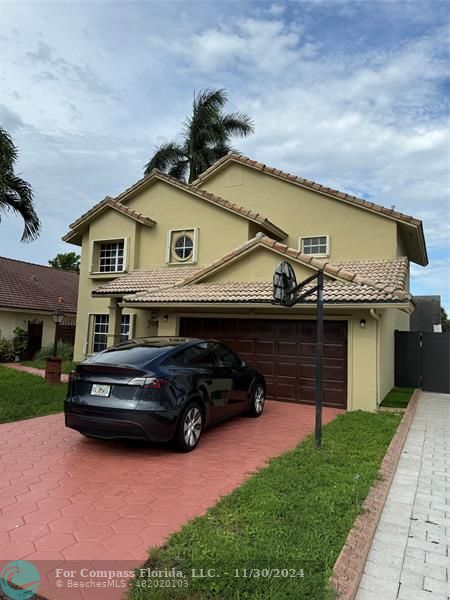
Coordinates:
351	94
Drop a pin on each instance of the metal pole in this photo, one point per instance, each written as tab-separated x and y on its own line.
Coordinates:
319	360
55	341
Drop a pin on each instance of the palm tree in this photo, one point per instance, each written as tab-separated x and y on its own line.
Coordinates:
205	138
16	194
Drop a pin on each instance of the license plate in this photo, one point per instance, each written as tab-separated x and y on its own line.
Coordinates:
100	390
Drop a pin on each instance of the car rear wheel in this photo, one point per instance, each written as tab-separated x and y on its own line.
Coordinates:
258	400
189	428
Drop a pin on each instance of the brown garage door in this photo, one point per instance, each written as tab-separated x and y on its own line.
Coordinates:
284	351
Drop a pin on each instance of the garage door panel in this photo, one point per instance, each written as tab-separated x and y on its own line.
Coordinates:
265	347
286	348
285	352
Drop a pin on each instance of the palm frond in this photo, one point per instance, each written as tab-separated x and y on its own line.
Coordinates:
8	152
16	195
237	123
165	157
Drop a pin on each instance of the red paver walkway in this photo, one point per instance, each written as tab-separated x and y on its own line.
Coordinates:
64	497
32	370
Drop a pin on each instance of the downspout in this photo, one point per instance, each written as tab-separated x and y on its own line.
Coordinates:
377	317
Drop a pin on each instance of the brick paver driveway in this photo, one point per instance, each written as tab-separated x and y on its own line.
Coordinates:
64	497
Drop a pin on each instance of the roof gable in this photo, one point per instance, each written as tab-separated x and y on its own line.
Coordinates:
336	271
119	203
97	210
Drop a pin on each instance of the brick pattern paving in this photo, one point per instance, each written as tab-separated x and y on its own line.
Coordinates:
410	554
349	566
66	497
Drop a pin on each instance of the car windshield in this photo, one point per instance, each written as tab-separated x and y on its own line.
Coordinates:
130	355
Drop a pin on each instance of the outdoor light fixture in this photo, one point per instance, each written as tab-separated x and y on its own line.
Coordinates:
165	318
58	317
362	323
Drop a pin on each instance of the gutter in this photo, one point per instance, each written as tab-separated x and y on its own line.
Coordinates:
377	317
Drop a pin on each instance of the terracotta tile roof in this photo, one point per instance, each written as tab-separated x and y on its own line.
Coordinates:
145	279
27	286
388	212
258	292
389	275
109	203
347	282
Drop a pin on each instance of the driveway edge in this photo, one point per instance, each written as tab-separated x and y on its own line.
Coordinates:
349	566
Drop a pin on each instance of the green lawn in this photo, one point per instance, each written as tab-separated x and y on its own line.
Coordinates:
294	514
397	398
23	396
66	367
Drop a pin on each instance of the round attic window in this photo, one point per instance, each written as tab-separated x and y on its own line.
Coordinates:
183	247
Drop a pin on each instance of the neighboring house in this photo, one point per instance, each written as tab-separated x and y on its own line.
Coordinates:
29	294
168	258
427	315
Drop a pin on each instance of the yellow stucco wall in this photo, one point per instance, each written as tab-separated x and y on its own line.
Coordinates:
258	265
354	233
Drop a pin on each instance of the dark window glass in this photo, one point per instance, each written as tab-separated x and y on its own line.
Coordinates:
226	357
199	355
129	355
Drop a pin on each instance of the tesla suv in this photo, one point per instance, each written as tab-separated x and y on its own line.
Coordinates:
161	389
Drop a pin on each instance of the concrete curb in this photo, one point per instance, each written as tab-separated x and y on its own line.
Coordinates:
349	566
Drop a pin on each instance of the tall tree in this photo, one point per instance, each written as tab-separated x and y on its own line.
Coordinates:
206	137
444	320
16	194
69	261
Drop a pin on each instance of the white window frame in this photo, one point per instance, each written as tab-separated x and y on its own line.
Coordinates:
93	332
319	254
170	258
95	269
130	328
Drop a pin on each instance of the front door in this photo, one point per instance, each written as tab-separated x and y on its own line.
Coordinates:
34	338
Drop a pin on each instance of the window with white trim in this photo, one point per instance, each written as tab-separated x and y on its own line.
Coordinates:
182	246
125	328
318	245
100	333
111	257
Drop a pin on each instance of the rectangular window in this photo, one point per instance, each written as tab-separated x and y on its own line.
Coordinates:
318	245
100	333
111	257
125	328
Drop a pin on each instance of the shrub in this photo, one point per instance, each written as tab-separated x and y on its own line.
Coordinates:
64	351
19	342
6	350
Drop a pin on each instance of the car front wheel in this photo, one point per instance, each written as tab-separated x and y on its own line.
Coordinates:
189	428
258	399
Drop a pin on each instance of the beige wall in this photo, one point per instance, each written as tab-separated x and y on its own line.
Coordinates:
9	320
355	233
257	265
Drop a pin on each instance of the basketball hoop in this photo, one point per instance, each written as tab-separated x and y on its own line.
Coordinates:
286	292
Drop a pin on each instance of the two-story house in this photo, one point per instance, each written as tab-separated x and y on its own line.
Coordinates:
168	258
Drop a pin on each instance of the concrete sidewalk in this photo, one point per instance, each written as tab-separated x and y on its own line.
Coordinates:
410	555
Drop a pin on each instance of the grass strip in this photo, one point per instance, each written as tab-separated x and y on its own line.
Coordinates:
294	514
